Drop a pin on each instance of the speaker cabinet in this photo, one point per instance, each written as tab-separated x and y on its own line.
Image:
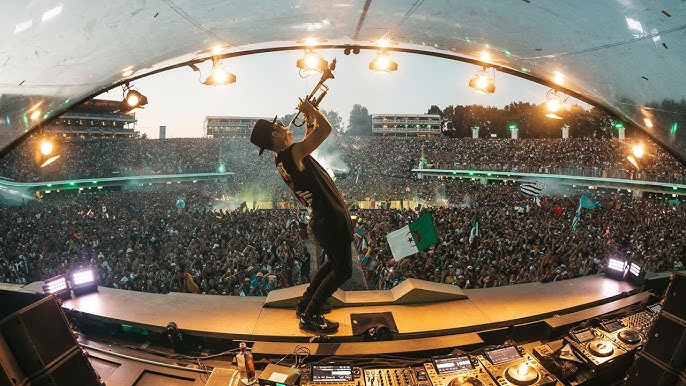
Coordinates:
647	370
667	341
10	372
72	369
675	298
37	335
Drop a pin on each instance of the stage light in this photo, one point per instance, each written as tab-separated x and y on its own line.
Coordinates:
616	267
58	286
35	115
133	100
219	76
648	122
383	64
47	152
83	281
46	147
483	82
175	338
638	150
553	104
312	61
635	274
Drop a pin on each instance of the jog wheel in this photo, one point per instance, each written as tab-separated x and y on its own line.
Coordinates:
465	381
522	374
629	336
601	348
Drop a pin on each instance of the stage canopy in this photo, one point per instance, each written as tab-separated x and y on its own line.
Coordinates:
628	56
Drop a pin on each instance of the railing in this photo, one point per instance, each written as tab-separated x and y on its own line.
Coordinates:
581	172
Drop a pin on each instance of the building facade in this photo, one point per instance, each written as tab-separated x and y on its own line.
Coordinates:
94	118
407	124
225	126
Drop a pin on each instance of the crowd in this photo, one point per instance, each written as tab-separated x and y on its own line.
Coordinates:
521	242
354	157
139	239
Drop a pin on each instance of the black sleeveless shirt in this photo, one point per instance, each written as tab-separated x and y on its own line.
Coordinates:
315	189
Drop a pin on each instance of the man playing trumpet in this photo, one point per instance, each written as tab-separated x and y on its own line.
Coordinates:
314	188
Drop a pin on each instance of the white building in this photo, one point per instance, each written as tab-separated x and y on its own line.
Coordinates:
406	124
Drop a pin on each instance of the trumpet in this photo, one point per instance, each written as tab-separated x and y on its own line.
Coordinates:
319	91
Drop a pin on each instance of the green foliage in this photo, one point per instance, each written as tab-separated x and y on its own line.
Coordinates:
530	120
360	122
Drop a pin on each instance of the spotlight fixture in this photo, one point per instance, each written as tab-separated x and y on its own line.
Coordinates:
616	267
219	76
312	61
133	100
635	274
47	152
483	82
83	281
383	64
553	104
638	150
57	286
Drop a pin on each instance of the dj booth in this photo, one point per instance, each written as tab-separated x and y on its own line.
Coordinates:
587	331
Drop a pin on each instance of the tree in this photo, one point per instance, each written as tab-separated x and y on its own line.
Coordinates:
360	122
435	110
335	120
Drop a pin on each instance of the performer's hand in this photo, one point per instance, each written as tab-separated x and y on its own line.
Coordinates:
306	107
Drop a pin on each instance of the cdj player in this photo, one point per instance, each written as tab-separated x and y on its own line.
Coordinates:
512	365
458	370
626	338
594	346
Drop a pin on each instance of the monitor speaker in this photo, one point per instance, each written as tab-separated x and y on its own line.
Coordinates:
675	298
647	370
37	335
72	369
667	341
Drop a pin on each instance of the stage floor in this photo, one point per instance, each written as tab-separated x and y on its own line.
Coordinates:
247	318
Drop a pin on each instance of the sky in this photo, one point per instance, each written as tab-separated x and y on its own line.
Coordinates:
270	84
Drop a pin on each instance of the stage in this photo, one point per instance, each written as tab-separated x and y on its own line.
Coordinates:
257	320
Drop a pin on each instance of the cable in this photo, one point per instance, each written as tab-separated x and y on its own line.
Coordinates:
409	13
196	24
176	367
202	366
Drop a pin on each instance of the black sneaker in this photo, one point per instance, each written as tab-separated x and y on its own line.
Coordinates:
318	324
300	309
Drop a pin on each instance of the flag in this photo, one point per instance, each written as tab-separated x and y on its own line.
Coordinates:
588	203
475	228
532	188
537	201
577	217
412	238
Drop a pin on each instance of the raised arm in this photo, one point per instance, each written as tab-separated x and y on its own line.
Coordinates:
318	128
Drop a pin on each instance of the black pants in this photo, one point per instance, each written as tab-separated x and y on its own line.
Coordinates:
333	273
